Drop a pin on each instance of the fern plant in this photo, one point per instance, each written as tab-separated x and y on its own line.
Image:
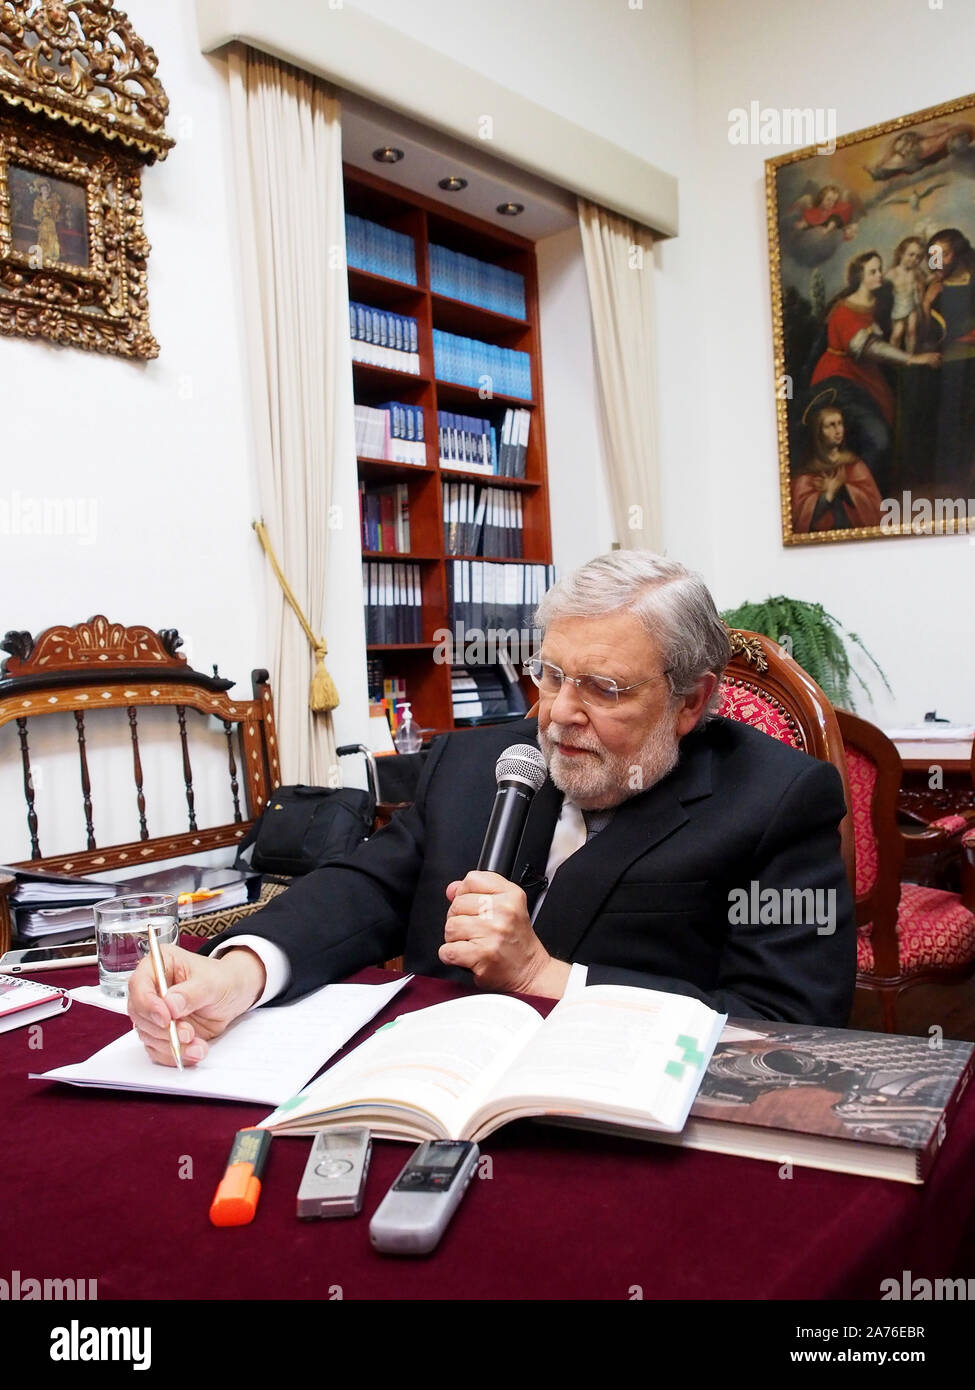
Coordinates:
814	638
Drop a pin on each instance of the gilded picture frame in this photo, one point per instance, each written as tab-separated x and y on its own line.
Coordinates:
873	317
85	285
81	113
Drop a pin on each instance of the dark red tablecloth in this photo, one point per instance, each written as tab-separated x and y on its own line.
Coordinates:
116	1186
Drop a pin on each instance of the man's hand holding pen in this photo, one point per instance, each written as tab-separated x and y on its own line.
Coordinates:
204	996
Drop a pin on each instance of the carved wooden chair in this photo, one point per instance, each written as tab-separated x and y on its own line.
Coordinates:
100	665
907	933
765	688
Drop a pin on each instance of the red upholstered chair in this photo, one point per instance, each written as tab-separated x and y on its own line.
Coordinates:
907	933
765	688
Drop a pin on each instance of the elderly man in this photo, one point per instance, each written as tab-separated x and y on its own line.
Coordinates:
657	825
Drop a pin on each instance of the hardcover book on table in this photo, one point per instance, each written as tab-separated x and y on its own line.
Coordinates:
880	1104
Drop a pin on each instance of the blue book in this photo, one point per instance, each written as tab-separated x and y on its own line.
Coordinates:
351	246
472	352
496	369
438	276
407	260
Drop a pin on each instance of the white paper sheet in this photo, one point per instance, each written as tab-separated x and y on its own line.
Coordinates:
266	1056
95	995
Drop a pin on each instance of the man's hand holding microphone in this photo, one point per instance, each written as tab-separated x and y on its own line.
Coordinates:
488	931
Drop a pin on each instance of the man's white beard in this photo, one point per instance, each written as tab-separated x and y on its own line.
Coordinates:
605	779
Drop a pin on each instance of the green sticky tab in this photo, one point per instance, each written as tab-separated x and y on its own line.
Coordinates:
391	1024
287	1105
692	1057
675	1069
685	1042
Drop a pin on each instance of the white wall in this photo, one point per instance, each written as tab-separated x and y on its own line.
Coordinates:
159	452
909	599
587	60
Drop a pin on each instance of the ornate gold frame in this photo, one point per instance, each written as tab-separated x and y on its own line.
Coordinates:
772	166
80	102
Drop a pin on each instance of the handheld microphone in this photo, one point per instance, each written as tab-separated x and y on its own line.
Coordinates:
520	772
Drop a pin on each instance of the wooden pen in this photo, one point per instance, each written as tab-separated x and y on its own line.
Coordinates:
159	970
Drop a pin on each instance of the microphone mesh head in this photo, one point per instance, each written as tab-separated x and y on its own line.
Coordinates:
524	762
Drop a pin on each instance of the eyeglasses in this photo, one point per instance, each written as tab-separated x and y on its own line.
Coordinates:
599	692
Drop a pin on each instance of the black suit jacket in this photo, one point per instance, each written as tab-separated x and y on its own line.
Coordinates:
671	895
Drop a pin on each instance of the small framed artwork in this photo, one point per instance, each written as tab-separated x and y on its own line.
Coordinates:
49	222
72	249
82	112
872	256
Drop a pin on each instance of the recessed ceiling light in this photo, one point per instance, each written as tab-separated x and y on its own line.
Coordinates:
453	184
387	155
510	209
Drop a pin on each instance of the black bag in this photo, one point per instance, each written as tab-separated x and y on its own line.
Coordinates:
302	828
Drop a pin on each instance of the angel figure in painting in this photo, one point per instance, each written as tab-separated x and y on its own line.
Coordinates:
829	209
819	222
835	490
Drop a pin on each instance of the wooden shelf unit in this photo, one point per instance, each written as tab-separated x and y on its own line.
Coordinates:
426	220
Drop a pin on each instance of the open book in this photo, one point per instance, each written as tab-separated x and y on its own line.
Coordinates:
461	1070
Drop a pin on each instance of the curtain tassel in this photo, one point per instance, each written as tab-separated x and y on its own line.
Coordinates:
323	694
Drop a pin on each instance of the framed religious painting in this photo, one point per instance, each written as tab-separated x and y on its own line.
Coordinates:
81	113
873	315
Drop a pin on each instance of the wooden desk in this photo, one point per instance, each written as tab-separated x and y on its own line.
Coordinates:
917	796
918	755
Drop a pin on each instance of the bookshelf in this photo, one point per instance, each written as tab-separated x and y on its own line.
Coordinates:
432	225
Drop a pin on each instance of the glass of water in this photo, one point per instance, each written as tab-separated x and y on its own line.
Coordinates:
122	930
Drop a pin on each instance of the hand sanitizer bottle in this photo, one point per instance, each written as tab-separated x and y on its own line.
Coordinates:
406	737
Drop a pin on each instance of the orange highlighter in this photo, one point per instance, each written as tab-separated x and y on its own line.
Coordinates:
236	1198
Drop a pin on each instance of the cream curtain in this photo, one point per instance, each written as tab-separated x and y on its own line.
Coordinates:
288	161
619	268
